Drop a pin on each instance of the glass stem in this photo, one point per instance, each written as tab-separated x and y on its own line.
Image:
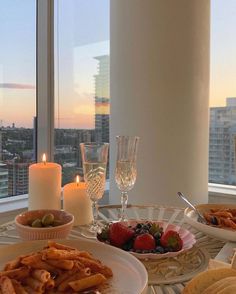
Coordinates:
124	202
95	213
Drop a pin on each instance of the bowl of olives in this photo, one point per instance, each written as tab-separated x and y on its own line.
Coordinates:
44	224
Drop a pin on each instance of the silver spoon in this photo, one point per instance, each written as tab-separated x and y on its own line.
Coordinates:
201	218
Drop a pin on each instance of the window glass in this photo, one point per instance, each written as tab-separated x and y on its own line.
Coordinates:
17	94
222	93
81	79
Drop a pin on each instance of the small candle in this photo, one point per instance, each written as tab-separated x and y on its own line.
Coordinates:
77	202
44	185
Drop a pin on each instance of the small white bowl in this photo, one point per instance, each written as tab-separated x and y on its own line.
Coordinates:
27	232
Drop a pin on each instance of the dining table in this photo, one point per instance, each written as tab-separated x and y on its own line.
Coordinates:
167	275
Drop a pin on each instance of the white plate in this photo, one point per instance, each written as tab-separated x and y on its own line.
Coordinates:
187	237
130	276
220	233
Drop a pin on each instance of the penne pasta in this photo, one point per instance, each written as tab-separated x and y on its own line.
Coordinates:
43	265
35	284
223	217
53	253
41	275
31	291
6	285
32	259
62	263
19	289
59	246
17	274
50	284
88	282
13	264
63	276
96	267
55	269
80	275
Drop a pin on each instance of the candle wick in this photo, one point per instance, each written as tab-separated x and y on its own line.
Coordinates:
44	162
77	184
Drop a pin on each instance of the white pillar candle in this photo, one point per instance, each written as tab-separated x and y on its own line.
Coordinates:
77	202
44	185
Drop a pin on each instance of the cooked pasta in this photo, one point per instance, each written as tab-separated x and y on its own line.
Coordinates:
222	217
55	269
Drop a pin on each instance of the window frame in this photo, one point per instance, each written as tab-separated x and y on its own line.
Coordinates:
45	78
44	94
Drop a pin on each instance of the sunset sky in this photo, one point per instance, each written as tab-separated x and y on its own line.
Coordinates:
84	34
223	48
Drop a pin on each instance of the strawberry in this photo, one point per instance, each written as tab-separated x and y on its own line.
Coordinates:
144	242
171	239
119	234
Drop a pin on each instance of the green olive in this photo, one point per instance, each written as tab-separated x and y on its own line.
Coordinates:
48	219
36	223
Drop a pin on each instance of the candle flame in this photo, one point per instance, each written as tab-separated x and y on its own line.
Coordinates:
44	158
77	180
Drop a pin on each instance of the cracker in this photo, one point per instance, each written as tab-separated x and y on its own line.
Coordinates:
203	280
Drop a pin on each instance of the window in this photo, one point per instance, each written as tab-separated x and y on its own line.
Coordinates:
222	93
81	58
17	94
82	79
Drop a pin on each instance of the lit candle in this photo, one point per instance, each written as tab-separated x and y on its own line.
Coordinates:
77	202
44	185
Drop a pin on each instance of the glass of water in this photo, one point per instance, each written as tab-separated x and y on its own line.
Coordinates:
126	168
94	158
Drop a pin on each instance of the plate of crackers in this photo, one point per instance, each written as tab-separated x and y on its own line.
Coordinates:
70	266
213	281
220	220
220	278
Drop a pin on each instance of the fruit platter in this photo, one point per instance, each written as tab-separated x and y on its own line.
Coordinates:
147	239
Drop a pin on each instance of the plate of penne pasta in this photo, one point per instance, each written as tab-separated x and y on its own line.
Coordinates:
69	266
220	220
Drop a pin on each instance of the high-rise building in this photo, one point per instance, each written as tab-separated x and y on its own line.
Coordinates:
222	143
17	177
0	140
67	151
102	99
3	180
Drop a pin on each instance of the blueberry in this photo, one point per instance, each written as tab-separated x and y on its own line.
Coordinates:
168	249
160	249
145	227
138	226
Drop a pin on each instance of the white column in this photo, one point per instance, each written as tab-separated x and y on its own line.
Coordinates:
159	91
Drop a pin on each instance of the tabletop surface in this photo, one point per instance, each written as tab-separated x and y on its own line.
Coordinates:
166	275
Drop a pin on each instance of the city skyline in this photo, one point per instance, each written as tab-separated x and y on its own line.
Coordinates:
88	35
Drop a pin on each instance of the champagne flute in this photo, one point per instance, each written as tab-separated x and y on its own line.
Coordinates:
94	158
126	170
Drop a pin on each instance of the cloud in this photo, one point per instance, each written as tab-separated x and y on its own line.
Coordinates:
16	86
